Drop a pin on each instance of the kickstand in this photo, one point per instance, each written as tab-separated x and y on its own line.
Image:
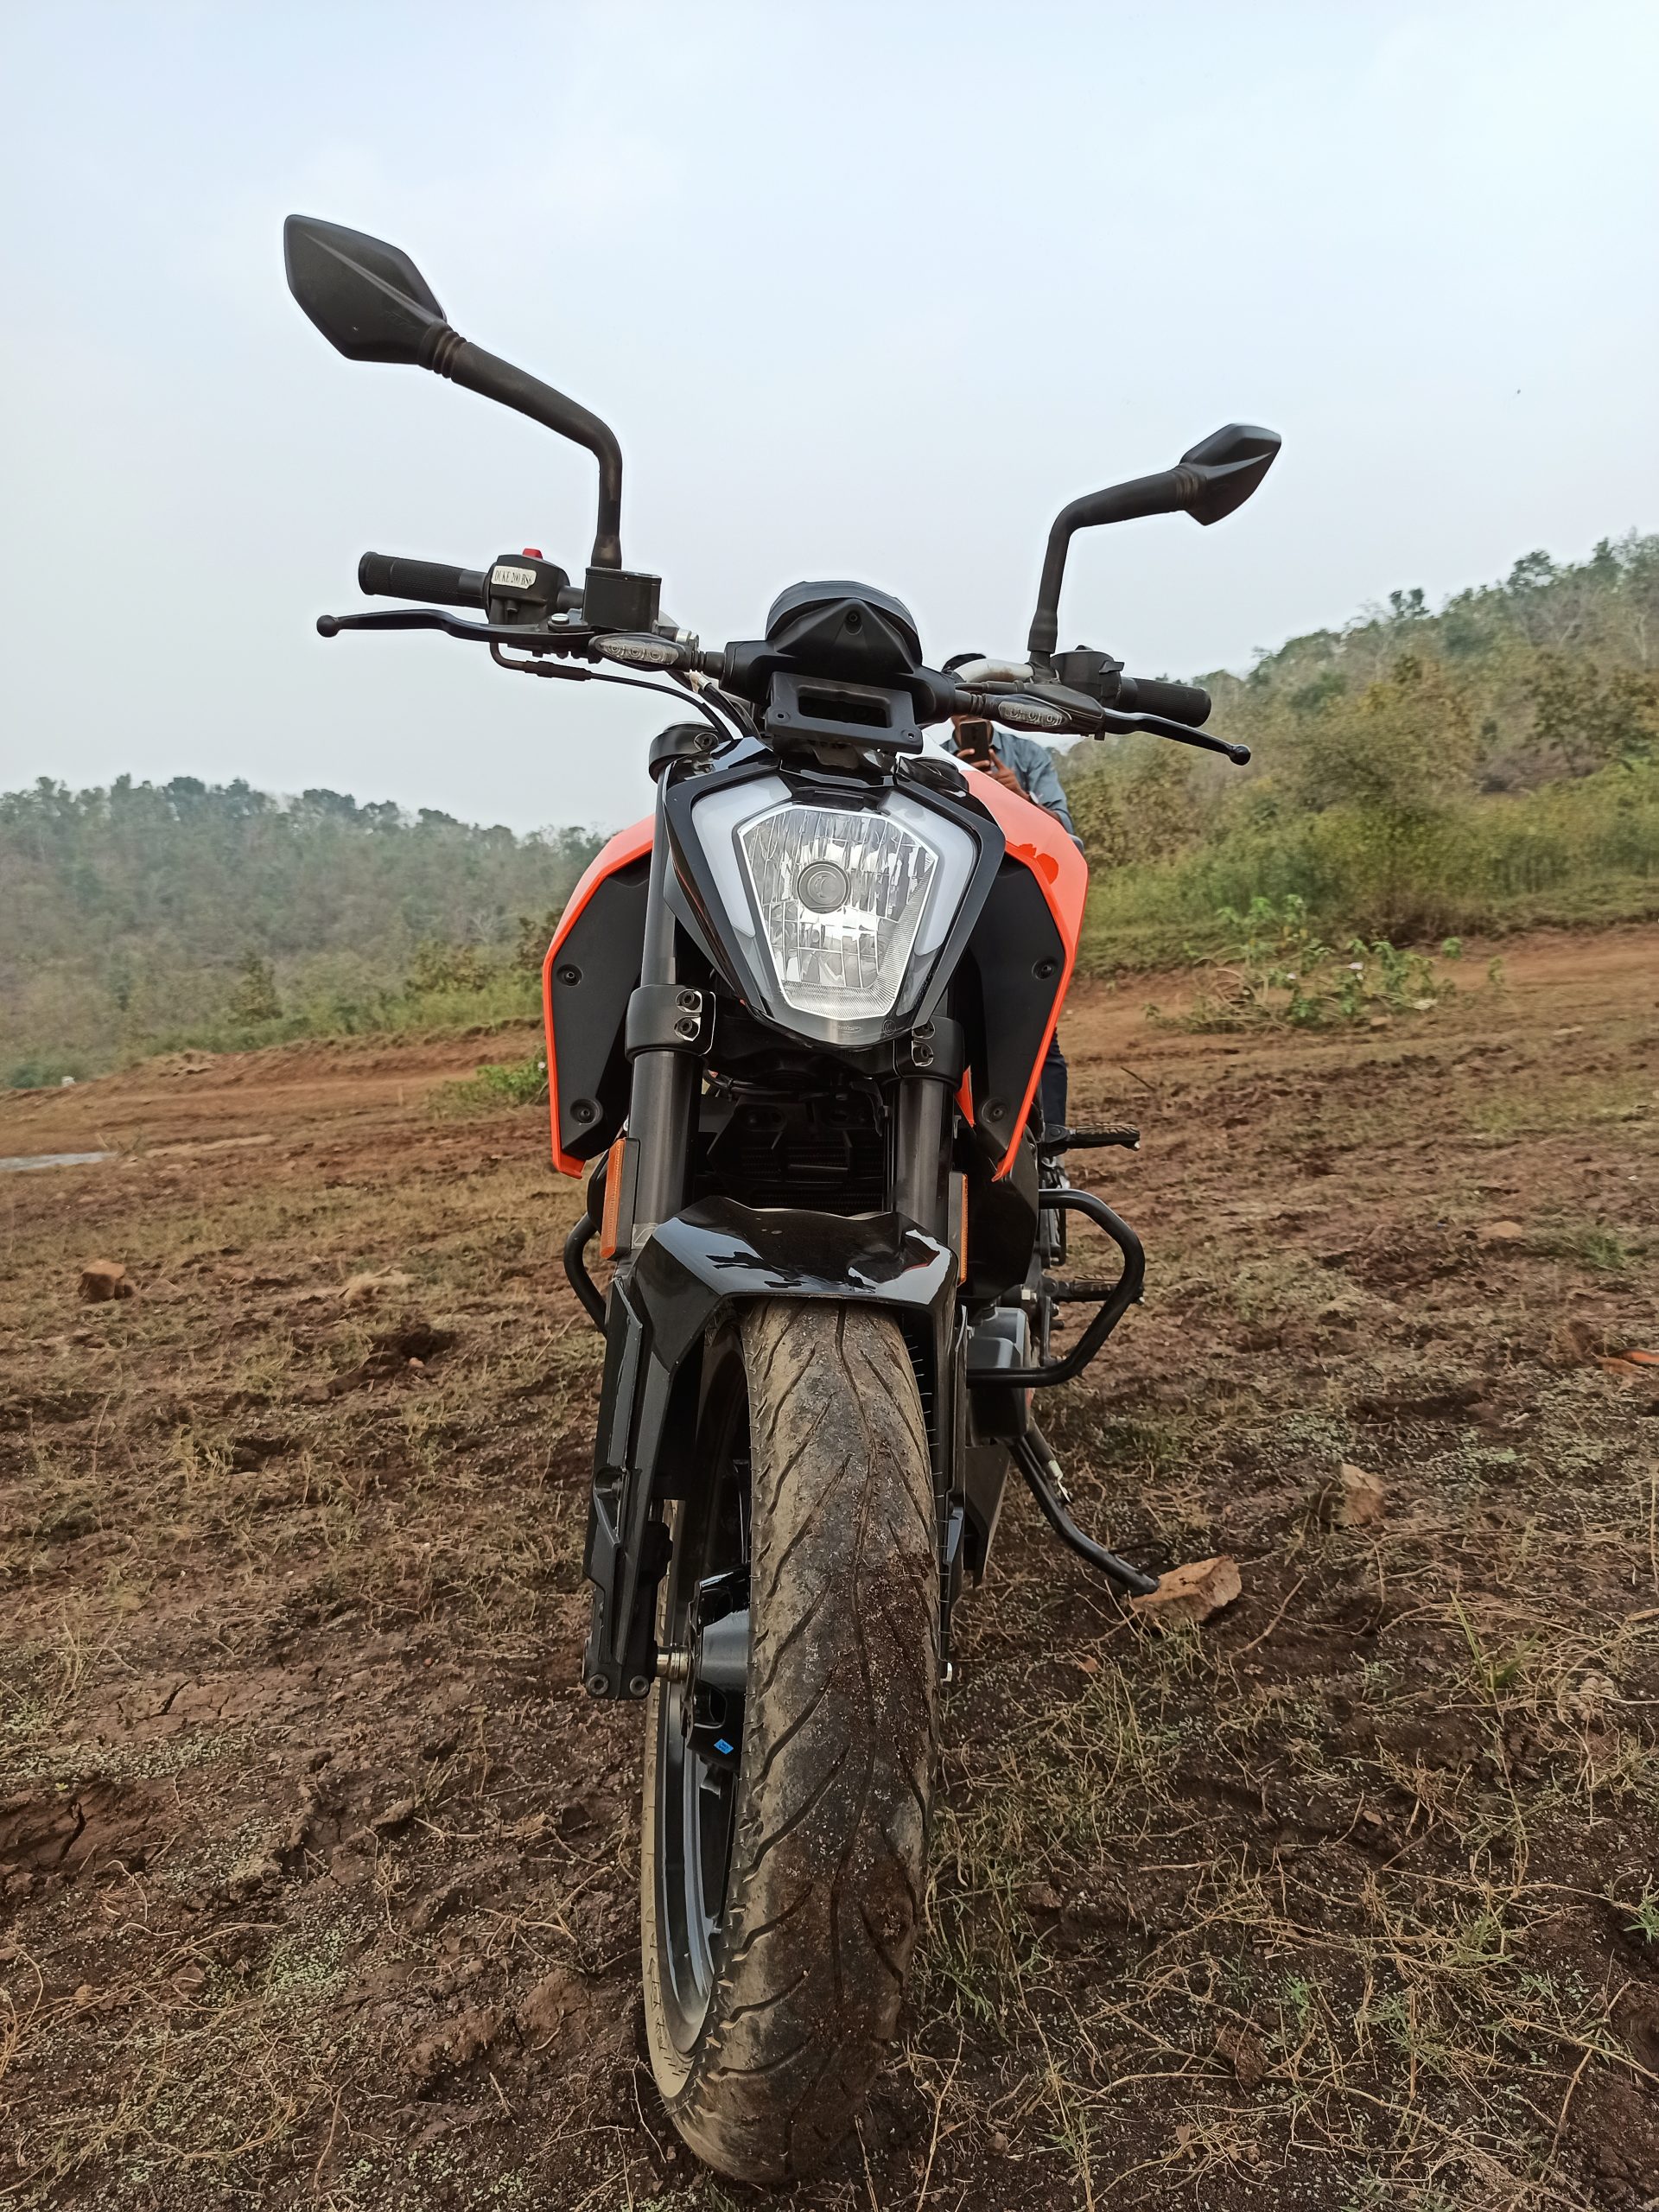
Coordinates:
1047	1485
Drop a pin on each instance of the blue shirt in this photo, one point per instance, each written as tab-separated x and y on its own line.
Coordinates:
1033	766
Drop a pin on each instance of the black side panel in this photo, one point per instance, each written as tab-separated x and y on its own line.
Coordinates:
595	973
1001	1222
1019	960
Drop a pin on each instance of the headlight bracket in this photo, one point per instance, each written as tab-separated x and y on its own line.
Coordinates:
669	1018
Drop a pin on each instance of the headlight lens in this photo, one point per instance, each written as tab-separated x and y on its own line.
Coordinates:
839	911
840	899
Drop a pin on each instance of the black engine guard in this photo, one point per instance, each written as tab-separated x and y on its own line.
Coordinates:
688	1273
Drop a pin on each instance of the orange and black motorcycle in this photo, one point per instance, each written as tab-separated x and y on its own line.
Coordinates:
796	1019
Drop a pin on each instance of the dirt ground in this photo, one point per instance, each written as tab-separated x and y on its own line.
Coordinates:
317	1868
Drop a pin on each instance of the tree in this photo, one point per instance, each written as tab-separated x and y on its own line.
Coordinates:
1393	758
1586	720
254	999
1133	806
447	968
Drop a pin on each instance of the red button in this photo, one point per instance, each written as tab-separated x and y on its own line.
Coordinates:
532	552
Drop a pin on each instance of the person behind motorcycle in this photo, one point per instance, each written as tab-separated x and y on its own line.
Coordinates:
1019	764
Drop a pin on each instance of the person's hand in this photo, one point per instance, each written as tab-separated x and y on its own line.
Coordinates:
1005	776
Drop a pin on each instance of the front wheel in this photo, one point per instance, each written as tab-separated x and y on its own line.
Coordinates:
786	1800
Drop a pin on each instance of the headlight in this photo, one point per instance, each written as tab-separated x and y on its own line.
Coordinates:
839	912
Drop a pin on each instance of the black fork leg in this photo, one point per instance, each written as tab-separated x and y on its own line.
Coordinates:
659	1147
919	1143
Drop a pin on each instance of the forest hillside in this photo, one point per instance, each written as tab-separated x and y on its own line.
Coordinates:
149	916
1490	764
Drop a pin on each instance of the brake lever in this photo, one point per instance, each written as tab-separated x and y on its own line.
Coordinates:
1161	725
1055	709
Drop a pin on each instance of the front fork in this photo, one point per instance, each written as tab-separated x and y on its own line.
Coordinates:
642	1414
664	1046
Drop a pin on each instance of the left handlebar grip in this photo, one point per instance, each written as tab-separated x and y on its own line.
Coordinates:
386	575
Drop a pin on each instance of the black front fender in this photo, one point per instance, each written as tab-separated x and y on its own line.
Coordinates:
691	1272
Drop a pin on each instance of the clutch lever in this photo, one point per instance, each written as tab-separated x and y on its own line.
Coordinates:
528	637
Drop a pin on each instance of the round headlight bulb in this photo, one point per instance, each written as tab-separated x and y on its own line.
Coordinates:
822	886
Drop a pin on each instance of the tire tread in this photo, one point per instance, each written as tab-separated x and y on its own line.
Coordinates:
829	1858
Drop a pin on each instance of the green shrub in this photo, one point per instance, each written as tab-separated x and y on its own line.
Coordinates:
1582	852
1277	970
522	1083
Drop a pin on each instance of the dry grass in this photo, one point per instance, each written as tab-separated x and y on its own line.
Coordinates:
1347	1899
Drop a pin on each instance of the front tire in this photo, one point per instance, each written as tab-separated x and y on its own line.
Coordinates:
773	1979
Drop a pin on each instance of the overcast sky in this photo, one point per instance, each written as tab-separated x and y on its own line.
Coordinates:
866	290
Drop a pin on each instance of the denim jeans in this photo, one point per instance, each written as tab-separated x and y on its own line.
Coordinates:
1051	1086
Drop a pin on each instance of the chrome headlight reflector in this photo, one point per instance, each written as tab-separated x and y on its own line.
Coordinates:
839	898
839	911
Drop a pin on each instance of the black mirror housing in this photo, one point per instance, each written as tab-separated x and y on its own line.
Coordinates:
367	298
1232	462
1211	479
371	303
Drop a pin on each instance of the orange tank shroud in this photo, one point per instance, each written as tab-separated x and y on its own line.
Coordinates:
1033	835
1048	849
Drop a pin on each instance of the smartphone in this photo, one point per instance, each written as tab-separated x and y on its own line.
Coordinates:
974	743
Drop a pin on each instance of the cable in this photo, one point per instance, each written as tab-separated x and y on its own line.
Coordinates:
686	697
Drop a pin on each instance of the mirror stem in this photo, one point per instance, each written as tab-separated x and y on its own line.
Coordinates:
1146	495
448	355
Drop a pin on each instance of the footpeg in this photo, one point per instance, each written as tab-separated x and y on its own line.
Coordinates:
1067	1290
1063	1140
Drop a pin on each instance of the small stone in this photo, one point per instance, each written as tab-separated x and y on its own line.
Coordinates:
364	1289
1500	1232
1192	1591
104	1279
1244	2054
1358	1498
543	2010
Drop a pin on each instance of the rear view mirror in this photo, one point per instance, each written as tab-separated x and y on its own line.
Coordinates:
367	298
1211	479
1232	462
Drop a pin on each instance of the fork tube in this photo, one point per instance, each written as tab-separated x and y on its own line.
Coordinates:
919	1138
664	1084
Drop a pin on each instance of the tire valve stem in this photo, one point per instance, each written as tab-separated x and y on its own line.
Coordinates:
674	1666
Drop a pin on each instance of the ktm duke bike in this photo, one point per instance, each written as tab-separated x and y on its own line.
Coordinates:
795	1018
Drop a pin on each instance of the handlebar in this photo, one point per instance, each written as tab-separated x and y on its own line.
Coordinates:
1044	708
387	576
1176	703
1054	711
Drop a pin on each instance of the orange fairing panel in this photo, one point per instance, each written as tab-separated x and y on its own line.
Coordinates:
1033	836
1047	848
628	845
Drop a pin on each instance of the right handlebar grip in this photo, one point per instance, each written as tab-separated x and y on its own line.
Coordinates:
1177	703
385	576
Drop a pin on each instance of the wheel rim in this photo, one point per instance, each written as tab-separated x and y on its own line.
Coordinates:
700	1720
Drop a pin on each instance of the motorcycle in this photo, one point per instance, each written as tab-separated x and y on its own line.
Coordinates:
795	1020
